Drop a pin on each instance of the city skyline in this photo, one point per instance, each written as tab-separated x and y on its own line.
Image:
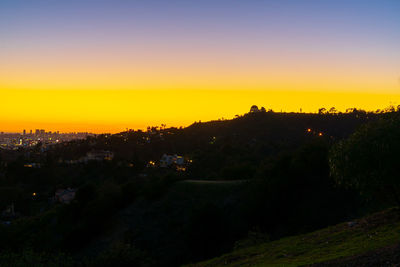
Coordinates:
38	131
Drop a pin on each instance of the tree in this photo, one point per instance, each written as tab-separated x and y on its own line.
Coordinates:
369	160
332	110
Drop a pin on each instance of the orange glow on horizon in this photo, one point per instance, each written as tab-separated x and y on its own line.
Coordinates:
113	111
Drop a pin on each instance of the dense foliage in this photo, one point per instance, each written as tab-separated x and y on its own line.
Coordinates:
369	159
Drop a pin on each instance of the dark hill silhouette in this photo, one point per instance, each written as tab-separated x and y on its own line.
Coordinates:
263	174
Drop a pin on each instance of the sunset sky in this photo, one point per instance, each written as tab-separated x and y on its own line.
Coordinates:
104	66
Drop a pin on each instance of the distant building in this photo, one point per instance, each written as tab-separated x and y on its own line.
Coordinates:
168	160
65	195
179	160
99	155
254	109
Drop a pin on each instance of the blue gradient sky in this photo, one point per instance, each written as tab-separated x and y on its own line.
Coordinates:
248	46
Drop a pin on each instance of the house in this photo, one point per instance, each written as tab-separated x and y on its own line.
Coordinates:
168	160
65	195
99	155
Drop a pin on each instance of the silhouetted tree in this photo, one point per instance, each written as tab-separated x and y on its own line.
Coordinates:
369	159
332	110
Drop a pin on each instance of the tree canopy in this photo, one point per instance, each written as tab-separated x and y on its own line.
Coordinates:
369	159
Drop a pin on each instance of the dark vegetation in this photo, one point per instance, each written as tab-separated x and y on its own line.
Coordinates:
263	176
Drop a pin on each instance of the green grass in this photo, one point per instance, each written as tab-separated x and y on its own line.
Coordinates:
370	233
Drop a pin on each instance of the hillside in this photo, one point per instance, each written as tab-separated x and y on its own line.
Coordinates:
239	183
370	241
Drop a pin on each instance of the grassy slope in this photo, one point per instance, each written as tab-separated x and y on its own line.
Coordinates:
337	242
